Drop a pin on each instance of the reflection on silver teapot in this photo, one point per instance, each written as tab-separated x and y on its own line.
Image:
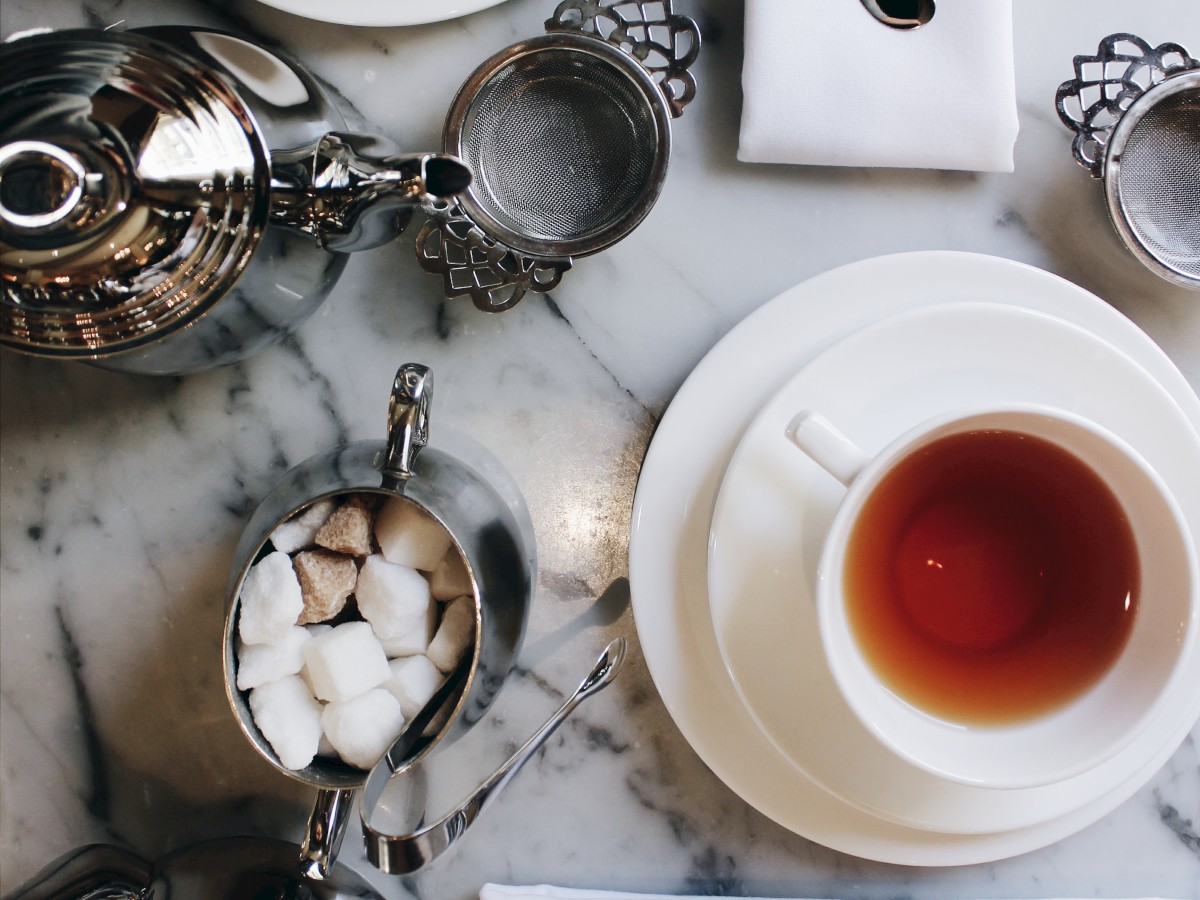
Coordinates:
175	198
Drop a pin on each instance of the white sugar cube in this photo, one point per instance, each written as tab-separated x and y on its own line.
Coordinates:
289	717
393	598
258	664
313	631
345	661
454	635
450	579
361	729
414	680
409	536
300	530
271	600
416	639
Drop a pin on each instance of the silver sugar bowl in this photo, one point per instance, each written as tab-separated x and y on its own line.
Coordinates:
463	487
176	198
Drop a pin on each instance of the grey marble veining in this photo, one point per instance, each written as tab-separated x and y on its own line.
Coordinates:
122	496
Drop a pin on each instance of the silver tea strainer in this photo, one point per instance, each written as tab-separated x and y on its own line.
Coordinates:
1135	111
568	135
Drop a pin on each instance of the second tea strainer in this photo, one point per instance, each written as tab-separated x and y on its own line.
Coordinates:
1135	111
569	137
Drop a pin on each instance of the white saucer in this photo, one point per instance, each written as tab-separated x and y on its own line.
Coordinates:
380	12
775	506
673	510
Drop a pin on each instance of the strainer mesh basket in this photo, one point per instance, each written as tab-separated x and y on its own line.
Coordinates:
564	147
1160	181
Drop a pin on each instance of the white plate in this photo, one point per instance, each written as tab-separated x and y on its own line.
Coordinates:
673	510
775	506
380	12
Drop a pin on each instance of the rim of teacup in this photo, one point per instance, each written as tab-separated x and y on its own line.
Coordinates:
968	753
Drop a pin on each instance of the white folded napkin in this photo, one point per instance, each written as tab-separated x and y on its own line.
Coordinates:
547	892
825	83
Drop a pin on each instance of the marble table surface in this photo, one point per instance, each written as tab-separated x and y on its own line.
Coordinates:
123	496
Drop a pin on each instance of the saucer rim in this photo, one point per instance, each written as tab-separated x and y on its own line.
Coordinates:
679	476
379	13
1013	806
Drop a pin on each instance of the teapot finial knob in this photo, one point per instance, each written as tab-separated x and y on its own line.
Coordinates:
40	184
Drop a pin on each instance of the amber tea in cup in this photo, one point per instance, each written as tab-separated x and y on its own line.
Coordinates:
991	576
1005	593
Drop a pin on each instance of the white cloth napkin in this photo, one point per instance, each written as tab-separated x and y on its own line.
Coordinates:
547	892
825	83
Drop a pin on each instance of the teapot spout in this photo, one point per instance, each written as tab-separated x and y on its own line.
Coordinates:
352	193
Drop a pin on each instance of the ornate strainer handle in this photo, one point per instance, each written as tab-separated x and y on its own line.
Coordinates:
1106	85
494	275
664	43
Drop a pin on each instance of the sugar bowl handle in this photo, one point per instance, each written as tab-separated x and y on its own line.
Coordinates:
408	421
323	836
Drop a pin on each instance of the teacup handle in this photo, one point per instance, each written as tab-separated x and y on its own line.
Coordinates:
826	446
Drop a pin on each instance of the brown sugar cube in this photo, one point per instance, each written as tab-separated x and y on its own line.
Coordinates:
348	529
326	580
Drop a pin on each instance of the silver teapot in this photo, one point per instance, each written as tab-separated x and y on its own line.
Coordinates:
176	198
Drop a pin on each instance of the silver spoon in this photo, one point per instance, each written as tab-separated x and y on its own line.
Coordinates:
902	14
402	854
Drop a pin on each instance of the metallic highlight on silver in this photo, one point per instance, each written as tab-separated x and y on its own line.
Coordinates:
41	180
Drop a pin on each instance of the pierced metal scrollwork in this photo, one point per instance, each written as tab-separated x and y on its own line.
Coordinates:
469	252
495	276
1107	84
665	44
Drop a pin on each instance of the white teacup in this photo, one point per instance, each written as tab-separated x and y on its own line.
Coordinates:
959	570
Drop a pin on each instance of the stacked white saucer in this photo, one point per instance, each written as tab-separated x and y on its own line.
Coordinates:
728	529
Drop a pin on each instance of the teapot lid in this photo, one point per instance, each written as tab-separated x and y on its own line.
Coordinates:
134	188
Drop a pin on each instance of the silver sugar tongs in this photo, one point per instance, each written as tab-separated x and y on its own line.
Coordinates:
402	854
